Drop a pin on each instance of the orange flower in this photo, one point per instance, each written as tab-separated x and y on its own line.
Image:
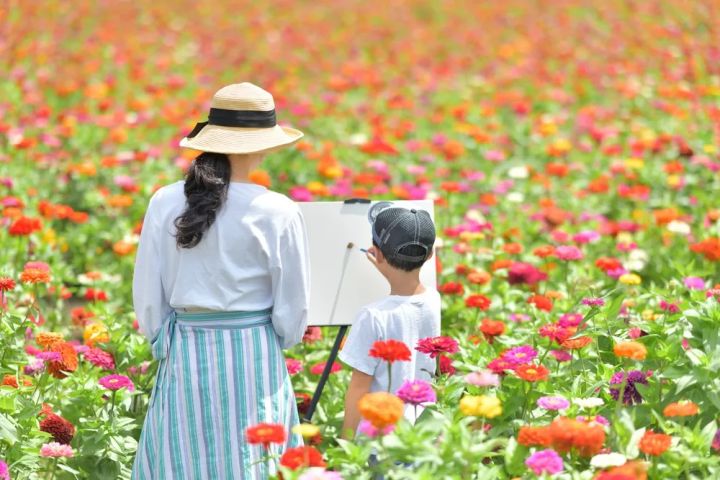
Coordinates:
653	443
95	333
532	373
709	248
534	436
478	301
478	277
265	434
569	434
48	339
381	409
68	362
512	248
390	351
492	328
123	248
681	409
35	275
632	470
541	302
631	349
544	251
576	343
260	177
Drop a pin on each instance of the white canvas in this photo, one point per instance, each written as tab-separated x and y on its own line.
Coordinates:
330	227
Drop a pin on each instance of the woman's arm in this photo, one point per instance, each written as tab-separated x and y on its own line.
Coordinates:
359	386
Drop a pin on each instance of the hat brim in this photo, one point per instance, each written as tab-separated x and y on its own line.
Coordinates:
219	139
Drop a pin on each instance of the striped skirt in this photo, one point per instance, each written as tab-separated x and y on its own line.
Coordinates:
219	373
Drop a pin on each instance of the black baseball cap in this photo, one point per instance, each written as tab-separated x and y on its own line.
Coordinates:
395	228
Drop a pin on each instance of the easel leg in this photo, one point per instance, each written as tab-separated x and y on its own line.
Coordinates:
325	374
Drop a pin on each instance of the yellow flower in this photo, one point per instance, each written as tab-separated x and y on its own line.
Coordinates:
480	406
709	148
634	163
630	279
95	333
306	430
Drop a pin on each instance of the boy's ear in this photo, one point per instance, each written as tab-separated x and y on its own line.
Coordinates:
432	254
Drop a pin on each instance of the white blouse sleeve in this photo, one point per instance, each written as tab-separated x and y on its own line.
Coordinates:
290	272
149	300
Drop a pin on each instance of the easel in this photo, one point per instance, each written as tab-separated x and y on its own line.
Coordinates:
338	339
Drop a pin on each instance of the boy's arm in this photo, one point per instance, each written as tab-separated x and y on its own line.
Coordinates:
359	385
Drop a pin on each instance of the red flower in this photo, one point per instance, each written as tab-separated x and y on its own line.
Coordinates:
302	457
318	368
95	295
532	373
492	328
265	434
555	332
61	429
541	302
446	366
302	400
390	351
452	288
6	284
524	273
24	226
477	301
435	345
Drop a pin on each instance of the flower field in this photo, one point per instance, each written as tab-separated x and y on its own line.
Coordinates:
572	148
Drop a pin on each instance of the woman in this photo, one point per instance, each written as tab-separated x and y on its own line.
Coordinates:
221	284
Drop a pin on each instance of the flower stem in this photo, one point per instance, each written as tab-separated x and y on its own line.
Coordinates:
389	377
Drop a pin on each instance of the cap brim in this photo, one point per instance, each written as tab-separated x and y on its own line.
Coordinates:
219	139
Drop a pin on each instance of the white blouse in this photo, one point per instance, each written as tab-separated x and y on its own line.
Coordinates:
254	256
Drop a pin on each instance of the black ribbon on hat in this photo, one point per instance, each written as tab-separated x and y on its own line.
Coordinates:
237	118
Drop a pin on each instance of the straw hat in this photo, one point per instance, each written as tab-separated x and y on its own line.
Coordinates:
241	120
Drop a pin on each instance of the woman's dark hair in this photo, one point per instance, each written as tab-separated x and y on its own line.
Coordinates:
206	186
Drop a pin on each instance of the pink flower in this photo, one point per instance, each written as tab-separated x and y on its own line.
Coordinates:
433	346
553	403
416	392
570	319
593	302
49	356
366	428
568	252
55	450
293	366
519	355
561	355
694	283
319	473
100	358
312	335
4	471
545	461
669	307
483	378
116	382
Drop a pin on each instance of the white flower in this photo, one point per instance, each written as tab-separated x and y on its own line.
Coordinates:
678	227
518	172
636	260
590	402
358	139
515	197
605	460
475	216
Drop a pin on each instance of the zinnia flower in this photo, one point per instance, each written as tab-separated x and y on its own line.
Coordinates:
524	273
116	382
568	252
480	406
6	284
519	355
366	428
301	457
319	473
55	450
68	363
571	434
553	403
390	351
100	358
416	392
318	368
534	436
634	470
593	302
265	434
293	366
694	283
434	346
381	409
605	460
61	429
545	461
532	373
631	349
4	471
478	301
653	443
681	409
483	378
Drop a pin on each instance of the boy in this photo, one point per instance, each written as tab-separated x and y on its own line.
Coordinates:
402	242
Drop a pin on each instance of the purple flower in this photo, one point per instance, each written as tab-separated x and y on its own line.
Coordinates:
568	252
593	302
545	461
694	283
116	382
416	392
4	471
34	367
716	440
553	403
630	395
519	355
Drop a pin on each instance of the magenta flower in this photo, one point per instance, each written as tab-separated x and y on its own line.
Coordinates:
570	319
116	382
416	392
4	471
553	403
593	302
434	346
49	356
526	273
55	450
366	428
293	366
483	378
561	355
669	307
568	252
519	355
545	461
694	283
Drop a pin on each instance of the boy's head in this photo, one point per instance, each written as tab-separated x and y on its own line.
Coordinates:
404	237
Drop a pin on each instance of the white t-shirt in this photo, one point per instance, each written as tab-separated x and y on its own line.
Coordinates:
254	256
403	318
